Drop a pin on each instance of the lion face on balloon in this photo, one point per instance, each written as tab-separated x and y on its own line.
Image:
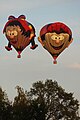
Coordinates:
13	33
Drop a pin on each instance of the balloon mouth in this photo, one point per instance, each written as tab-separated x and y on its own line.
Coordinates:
13	42
57	48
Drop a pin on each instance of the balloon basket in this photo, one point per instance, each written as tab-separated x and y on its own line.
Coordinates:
54	62
19	56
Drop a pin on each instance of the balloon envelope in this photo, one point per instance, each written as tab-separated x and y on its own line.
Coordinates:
19	33
55	37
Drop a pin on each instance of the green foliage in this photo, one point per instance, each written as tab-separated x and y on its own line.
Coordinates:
52	102
21	105
45	101
5	106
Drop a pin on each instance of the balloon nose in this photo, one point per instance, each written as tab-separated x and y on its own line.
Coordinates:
57	41
11	36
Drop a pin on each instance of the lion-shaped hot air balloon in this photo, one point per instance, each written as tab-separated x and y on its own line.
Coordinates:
55	37
20	33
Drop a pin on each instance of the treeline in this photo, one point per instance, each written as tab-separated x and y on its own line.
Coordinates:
45	101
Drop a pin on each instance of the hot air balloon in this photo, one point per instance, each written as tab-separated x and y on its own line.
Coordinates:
55	37
19	34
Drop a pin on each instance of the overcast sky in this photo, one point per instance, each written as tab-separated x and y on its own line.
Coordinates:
38	64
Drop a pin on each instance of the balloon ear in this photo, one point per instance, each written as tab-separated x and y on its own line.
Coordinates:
39	39
11	17
22	17
70	42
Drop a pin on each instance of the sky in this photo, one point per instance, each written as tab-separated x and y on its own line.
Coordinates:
35	65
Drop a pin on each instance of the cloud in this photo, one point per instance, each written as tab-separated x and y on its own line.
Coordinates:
7	6
11	6
74	66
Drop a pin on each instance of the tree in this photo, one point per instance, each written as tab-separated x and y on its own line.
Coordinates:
5	106
51	102
22	109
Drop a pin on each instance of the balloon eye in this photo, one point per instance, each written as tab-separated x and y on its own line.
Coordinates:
15	33
8	33
12	33
61	37
54	37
